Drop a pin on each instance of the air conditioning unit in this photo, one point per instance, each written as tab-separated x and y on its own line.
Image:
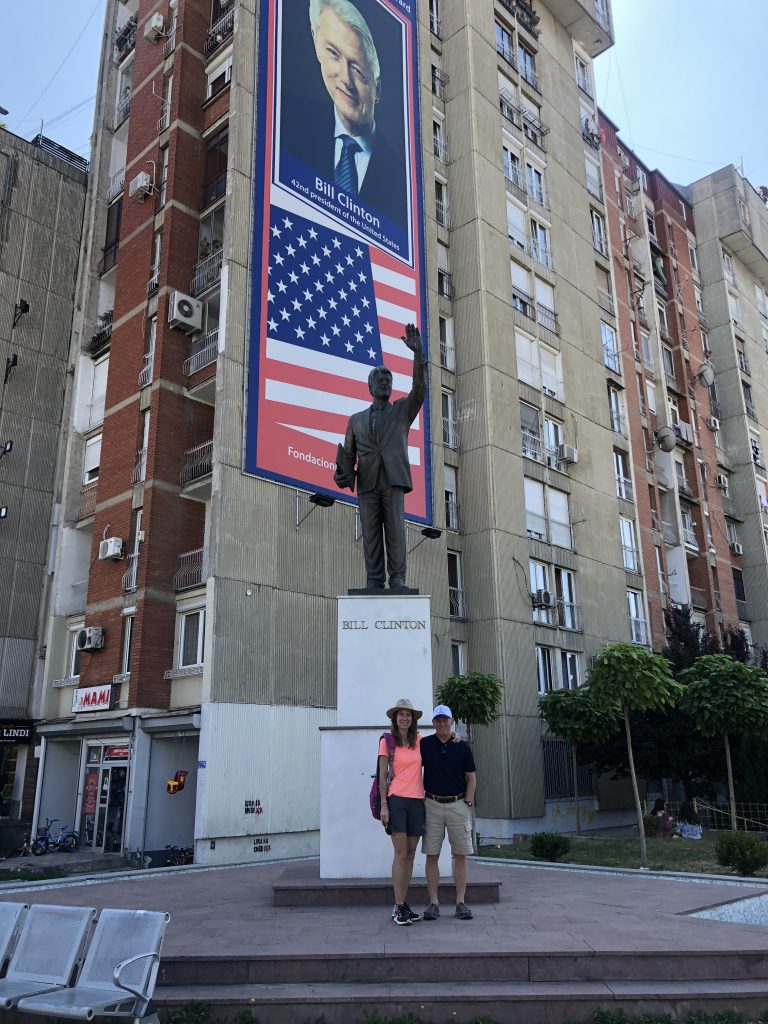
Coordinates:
543	599
713	423
568	454
90	638
185	312
111	548
722	481
140	186
736	548
154	28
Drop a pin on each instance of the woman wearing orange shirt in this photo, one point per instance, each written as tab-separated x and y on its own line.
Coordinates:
402	801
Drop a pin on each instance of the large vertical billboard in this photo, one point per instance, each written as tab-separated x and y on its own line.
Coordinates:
338	247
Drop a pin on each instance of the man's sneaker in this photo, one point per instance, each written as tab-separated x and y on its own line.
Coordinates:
432	912
401	917
463	912
413	916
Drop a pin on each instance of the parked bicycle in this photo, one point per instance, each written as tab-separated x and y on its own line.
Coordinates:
66	841
25	850
179	855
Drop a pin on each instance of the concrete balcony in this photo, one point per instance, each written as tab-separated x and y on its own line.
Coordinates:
219	32
192	570
588	21
72	600
203	351
87	504
116	185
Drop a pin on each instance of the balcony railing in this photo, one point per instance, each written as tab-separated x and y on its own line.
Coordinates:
125	40
192	570
145	374
702	318
447	355
129	576
532	444
154	279
198	462
514	181
751	411
440	148
452	514
74	599
450	434
506	53
207	272
215	189
439	82
435	26
444	284
140	469
639	631
442	213
595	188
624	488
668	532
699	597
605	301
530	76
116	185
170	43
458	608
202	352
165	116
542	254
108	258
630	557
101	338
742	609
568	614
689	538
87	501
599	243
220	30
523	302
122	110
547	318
538	193
510	110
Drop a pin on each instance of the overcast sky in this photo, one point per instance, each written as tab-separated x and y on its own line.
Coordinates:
686	81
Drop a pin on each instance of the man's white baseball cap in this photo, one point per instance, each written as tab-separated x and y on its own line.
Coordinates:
442	711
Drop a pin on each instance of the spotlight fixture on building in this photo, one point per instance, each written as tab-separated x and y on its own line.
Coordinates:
19	310
6	448
3	511
428	533
317	500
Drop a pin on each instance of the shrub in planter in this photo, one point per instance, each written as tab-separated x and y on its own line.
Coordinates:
742	851
549	845
651	823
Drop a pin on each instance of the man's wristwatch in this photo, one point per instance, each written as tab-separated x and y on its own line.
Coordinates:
469	803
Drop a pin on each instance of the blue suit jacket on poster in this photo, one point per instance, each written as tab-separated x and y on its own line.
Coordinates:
307	133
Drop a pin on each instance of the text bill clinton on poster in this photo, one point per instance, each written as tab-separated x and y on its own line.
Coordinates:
338	249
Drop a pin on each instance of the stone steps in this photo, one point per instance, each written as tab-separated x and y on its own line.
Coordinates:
513	1002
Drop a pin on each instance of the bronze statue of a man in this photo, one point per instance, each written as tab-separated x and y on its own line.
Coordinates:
377	440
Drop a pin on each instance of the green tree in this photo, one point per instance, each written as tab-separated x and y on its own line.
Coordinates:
473	698
636	680
574	716
723	696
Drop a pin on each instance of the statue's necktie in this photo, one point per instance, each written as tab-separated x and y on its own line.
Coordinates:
346	172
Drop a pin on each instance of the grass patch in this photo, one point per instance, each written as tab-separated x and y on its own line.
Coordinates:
27	872
624	852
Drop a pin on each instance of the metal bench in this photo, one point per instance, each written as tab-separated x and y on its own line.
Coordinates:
119	972
10	921
49	947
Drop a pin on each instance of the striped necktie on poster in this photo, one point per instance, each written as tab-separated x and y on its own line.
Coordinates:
346	172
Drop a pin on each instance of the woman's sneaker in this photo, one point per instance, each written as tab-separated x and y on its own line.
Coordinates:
402	916
411	914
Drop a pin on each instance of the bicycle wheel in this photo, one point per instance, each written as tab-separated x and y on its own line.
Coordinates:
39	847
71	842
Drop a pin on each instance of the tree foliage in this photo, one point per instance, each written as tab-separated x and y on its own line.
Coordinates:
722	695
633	678
576	717
473	698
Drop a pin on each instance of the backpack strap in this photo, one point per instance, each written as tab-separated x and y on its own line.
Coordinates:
389	739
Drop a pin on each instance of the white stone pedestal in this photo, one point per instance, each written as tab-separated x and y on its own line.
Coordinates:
384	653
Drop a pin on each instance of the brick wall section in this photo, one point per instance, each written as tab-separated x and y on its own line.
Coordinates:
171	523
672	230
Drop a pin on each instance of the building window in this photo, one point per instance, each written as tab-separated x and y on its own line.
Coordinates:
730	274
74	656
455	586
528	66
599	237
637	624
568	611
650	222
451	500
582	75
539	366
542	599
125	655
618	421
216	158
522	300
447	350
530	433
544	673
450	434
629	545
623	479
511	164
540	247
504	45
610	347
570	670
516	225
559	518
546	514
535	510
553	438
163	190
535	184
91	460
748	401
694	258
218	76
192	638
458	658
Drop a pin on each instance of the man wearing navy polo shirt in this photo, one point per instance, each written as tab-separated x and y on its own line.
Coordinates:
449	785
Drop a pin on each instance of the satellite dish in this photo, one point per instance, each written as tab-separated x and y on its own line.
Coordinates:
666	439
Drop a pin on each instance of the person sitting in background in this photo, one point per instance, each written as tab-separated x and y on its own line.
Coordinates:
666	821
688	824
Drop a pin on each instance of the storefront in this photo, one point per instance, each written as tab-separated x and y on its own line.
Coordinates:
15	738
103	792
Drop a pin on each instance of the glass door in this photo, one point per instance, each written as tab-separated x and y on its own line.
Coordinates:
102	809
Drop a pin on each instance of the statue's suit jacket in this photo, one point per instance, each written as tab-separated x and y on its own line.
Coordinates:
391	446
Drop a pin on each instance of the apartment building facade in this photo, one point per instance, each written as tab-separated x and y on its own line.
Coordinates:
185	703
42	198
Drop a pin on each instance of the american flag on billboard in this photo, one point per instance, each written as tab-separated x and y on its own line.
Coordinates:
334	308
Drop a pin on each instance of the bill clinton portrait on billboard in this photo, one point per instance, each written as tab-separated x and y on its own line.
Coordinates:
338	248
342	117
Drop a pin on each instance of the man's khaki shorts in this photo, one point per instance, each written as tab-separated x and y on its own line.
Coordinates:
455	819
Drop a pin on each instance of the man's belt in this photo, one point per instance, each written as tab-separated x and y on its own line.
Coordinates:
444	799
